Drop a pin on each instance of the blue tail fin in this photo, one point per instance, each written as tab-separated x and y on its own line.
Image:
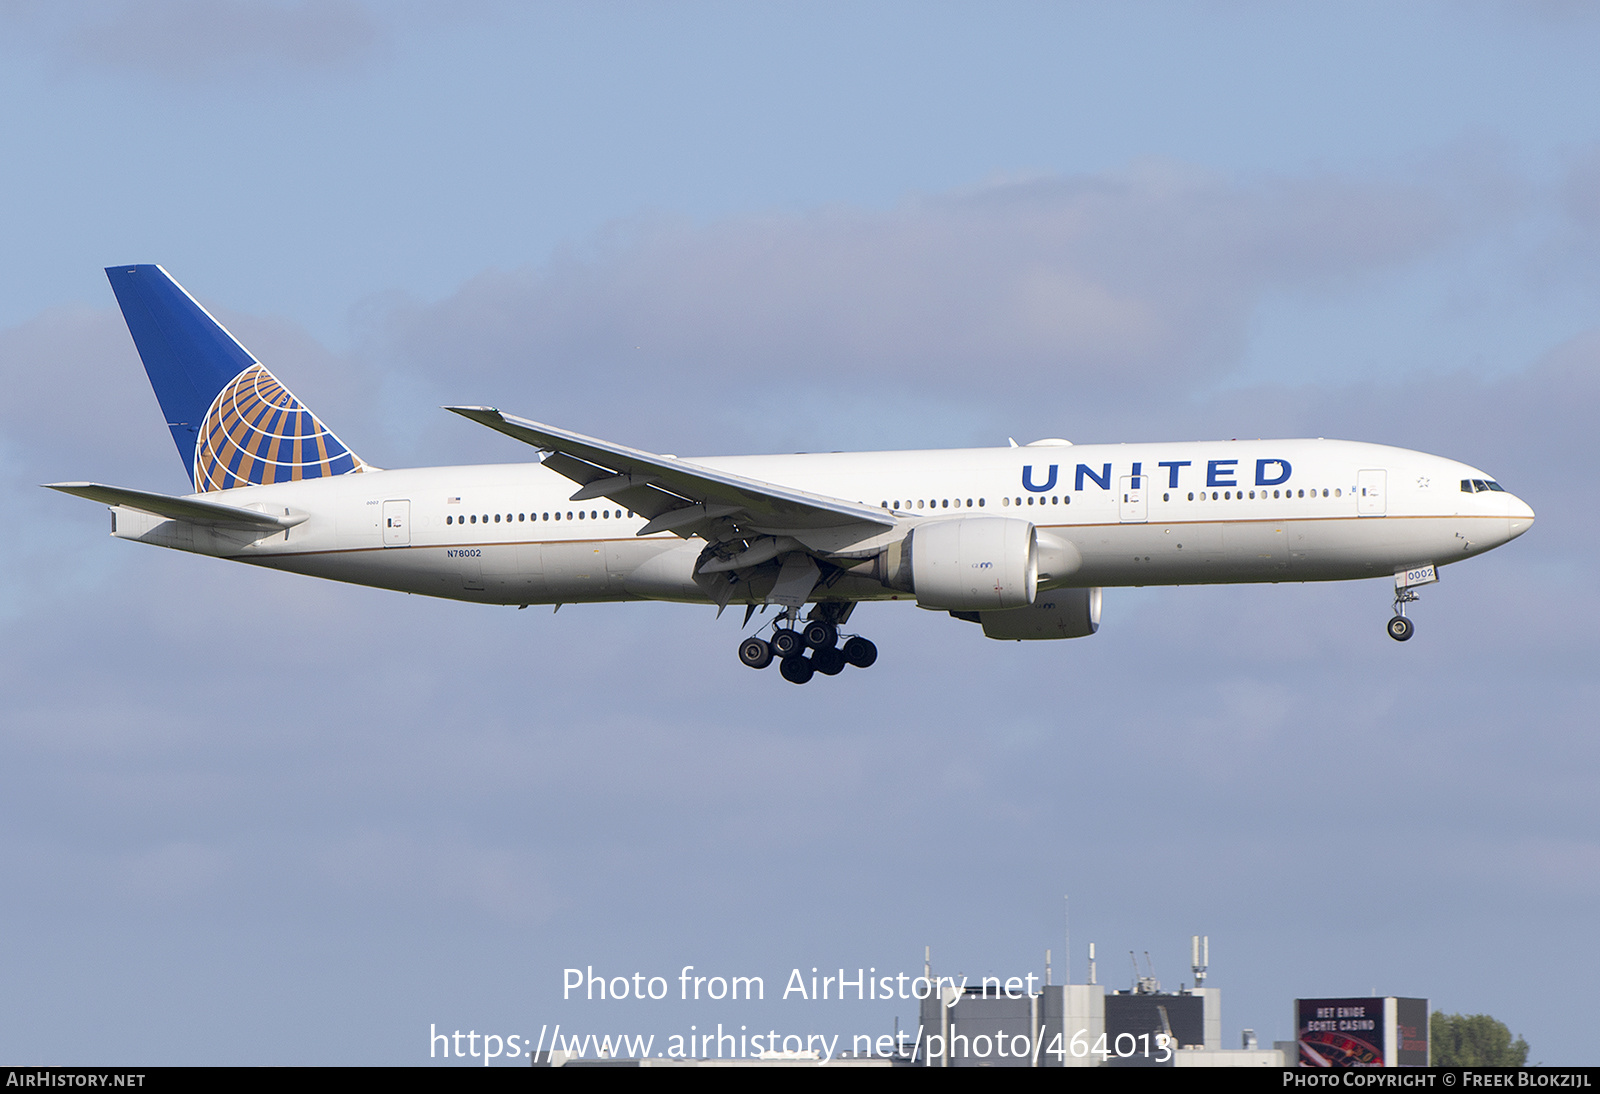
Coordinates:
233	422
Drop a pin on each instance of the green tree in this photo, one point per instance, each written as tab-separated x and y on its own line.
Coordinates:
1474	1040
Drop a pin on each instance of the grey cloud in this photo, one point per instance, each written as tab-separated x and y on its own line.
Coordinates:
1097	285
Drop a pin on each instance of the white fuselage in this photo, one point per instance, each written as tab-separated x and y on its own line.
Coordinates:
1138	514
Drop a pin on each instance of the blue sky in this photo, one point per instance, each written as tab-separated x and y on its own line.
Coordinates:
255	818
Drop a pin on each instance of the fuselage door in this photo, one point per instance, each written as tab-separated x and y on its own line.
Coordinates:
1370	493
1132	503
396	523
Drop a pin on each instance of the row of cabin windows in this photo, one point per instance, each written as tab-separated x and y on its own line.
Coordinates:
593	514
1238	495
955	503
936	503
1467	486
1066	499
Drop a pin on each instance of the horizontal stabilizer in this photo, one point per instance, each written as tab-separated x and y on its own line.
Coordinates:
188	510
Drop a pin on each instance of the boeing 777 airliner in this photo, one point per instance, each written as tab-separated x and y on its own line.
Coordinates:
1019	540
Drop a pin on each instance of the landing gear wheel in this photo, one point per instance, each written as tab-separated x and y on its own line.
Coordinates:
755	653
828	661
796	670
786	643
1400	628
820	634
860	652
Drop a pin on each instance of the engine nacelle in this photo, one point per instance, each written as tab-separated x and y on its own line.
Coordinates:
970	564
1064	613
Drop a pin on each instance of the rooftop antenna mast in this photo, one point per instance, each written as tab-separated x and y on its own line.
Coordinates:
1200	958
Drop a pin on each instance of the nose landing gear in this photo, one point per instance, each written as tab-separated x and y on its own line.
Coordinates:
1405	581
801	653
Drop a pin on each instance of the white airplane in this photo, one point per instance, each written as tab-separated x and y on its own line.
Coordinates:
1019	540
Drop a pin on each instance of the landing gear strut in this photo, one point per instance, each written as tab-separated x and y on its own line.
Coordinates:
1400	628
807	650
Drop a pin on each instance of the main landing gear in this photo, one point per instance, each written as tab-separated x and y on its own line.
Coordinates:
811	648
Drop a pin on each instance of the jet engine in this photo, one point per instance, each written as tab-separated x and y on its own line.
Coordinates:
967	564
1063	613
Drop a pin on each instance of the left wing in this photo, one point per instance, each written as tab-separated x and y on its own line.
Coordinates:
691	500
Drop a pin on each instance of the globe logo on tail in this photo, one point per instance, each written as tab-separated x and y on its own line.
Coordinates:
256	432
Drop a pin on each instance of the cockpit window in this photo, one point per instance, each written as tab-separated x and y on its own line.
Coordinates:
1478	486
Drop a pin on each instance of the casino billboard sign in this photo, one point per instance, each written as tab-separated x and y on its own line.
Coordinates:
1362	1032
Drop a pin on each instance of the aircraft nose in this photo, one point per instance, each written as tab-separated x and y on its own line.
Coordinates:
1519	515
